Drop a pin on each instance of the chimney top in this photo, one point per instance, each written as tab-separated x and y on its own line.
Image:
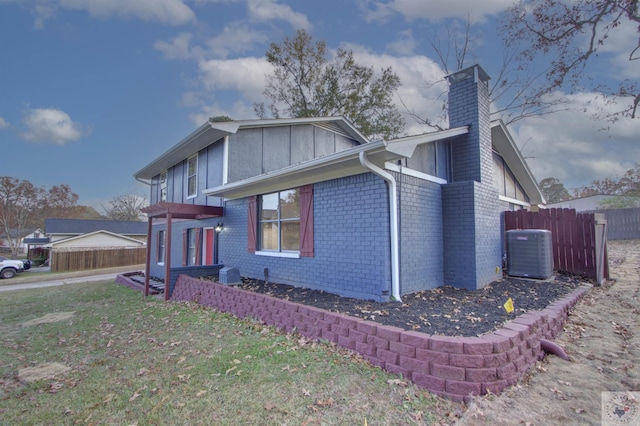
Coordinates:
474	71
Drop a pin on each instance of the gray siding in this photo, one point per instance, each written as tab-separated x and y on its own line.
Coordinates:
253	152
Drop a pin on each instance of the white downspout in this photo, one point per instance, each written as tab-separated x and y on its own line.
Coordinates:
393	219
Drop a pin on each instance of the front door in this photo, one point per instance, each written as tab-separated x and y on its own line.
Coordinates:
209	242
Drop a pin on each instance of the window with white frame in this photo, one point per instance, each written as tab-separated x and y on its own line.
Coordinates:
191	246
161	246
279	221
163	186
192	176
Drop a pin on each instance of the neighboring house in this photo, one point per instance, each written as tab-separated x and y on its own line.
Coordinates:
63	229
312	203
95	240
18	236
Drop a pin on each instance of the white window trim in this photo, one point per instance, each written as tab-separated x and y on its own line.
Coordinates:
195	192
411	172
164	185
290	255
514	201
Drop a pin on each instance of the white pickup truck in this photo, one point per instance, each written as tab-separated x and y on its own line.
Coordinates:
9	267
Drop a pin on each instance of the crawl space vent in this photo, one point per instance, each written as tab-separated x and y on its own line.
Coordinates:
529	253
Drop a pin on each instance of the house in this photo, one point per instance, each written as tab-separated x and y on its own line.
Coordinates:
91	230
18	238
312	203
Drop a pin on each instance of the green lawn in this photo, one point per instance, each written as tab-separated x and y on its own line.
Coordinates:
137	360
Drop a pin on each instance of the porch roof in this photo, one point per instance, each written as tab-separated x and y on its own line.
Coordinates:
182	211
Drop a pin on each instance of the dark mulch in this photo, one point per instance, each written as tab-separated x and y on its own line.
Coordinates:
445	310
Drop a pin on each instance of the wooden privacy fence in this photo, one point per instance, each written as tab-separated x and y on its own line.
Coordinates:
579	240
81	260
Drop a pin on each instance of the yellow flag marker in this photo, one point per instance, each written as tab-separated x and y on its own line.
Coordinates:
508	306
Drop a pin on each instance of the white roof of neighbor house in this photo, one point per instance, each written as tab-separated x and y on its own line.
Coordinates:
104	239
210	132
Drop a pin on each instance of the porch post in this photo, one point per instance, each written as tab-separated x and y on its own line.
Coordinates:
167	260
147	267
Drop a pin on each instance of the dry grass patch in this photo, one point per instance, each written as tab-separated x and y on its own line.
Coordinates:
49	318
141	360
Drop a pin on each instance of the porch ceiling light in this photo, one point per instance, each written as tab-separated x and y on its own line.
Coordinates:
219	227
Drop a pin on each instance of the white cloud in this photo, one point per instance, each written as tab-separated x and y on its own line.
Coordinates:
178	47
50	125
270	10
405	44
435	10
243	74
423	89
172	12
572	145
237	37
4	123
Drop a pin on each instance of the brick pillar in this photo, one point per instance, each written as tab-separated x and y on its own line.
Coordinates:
470	203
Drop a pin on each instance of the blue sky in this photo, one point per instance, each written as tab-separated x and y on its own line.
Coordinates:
92	91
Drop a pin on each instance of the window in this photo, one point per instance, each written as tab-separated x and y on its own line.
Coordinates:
161	246
192	176
279	223
163	186
191	246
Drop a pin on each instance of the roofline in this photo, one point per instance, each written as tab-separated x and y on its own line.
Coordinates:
100	231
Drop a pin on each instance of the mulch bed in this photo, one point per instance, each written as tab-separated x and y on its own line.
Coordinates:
445	310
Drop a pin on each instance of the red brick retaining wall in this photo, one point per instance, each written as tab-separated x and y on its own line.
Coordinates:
453	367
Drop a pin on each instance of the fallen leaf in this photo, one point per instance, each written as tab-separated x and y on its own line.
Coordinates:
269	406
181	360
134	397
143	371
230	370
326	403
180	404
306	392
200	393
397	382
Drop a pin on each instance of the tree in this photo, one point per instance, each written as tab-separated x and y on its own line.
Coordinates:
570	34
513	91
20	203
126	207
554	190
305	83
628	185
59	202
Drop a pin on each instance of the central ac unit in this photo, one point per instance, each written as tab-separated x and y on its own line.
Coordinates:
529	253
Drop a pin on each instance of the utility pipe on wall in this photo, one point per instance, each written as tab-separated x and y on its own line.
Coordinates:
393	221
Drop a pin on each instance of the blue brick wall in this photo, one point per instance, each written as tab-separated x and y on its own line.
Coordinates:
469	106
421	234
472	234
351	241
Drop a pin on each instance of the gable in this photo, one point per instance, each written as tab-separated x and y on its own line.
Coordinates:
95	239
517	178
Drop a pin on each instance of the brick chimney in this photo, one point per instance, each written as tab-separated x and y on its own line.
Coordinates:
470	204
469	106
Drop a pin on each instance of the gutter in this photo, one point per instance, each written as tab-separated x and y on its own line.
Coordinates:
393	221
